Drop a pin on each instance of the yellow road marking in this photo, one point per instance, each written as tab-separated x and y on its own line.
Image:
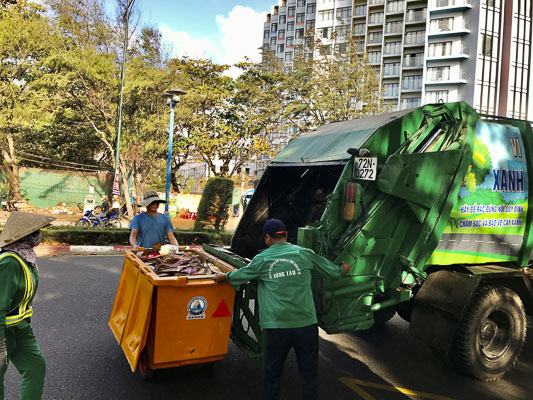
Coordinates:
355	384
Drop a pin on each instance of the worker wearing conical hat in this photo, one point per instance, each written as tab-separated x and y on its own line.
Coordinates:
19	277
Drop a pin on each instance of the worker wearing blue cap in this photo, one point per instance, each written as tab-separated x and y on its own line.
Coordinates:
286	308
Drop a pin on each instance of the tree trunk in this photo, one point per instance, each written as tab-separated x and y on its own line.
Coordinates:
12	169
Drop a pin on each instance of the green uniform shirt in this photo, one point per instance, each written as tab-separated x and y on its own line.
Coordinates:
283	272
12	288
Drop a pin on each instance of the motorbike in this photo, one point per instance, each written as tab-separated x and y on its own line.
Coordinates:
89	220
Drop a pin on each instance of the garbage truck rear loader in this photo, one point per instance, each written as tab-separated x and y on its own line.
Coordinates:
430	208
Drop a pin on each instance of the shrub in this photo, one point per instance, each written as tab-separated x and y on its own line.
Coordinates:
90	237
214	204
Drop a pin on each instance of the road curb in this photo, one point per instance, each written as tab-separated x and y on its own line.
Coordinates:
45	250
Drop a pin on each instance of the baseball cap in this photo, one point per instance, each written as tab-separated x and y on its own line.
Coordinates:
274	227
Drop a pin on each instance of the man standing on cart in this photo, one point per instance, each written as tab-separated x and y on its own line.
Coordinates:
19	277
286	308
151	226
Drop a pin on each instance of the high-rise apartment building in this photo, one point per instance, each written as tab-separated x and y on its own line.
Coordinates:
425	51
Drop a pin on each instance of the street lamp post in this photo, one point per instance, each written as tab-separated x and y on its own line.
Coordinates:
172	97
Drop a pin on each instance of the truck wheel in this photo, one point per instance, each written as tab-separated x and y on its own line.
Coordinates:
491	334
381	317
147	373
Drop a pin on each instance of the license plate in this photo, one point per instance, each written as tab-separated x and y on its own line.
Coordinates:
365	168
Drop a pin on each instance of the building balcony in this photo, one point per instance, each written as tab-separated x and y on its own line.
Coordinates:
446	6
390	96
450	79
391	74
375	22
392	10
415	17
461	54
411	88
416	63
459	28
372	3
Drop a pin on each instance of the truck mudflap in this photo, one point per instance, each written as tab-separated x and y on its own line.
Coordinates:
439	307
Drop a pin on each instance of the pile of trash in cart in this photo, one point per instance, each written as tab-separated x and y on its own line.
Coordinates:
168	260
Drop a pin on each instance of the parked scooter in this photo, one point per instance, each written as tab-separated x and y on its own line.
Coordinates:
89	220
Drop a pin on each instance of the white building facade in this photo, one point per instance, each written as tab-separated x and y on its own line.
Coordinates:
425	51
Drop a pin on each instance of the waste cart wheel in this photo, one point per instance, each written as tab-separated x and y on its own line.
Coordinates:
146	371
491	334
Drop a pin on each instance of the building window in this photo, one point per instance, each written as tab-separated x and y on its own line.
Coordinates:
413	60
300	18
323	33
281	34
287	70
374	57
299	33
439	73
437	96
359	29
311	8
301	3
325	15
391	69
412	82
290	26
393	48
274	27
360	10
310	25
341	48
394	27
442	24
390	90
282	19
440	49
291	11
375	37
266	34
395	6
486	43
342	31
289	41
288	56
272	41
412	102
415	37
308	56
344	12
376	18
281	48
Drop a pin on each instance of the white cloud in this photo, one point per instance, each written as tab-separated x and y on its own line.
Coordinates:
240	36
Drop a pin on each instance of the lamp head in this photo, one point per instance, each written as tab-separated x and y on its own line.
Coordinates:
173	95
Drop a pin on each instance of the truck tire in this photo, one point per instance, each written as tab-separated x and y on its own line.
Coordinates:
491	334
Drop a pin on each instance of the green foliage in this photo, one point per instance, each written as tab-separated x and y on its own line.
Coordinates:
214	204
89	237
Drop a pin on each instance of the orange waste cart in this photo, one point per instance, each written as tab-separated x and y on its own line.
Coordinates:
163	322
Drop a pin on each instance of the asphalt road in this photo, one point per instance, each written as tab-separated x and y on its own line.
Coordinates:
74	301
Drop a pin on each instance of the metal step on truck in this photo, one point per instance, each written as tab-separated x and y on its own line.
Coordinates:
430	207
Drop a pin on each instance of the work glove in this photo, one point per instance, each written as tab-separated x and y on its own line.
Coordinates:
3	353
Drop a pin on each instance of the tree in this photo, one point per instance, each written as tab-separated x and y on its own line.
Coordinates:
23	44
335	84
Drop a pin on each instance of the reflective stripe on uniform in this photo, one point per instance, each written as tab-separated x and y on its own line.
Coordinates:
23	310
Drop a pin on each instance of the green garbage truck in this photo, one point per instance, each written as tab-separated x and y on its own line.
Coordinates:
430	207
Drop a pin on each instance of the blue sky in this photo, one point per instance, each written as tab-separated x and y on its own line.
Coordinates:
222	30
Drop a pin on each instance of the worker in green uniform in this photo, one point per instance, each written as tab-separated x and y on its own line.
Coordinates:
19	277
286	308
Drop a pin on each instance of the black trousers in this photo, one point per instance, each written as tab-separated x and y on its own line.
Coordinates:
304	340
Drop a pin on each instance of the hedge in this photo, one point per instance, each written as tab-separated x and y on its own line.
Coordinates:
113	236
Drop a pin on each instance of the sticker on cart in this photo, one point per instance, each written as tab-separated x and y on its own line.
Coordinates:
196	308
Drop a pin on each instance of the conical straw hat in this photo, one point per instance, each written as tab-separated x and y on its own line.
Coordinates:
20	224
